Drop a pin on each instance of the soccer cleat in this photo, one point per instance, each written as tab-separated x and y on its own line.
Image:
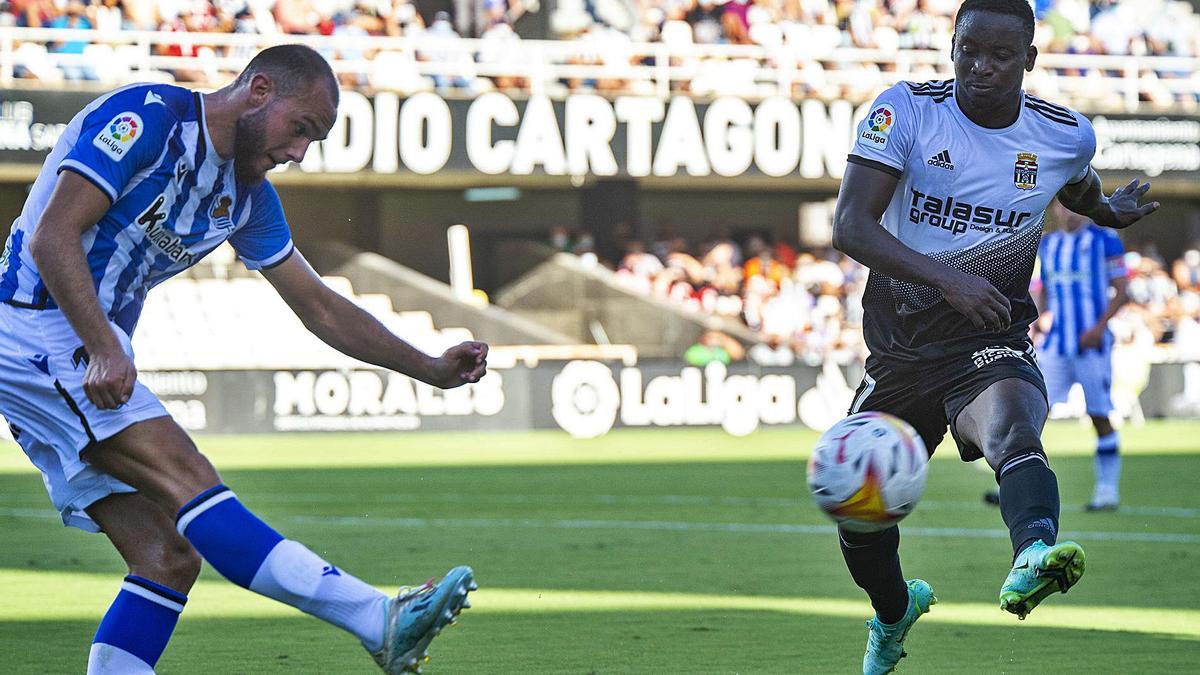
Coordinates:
885	642
1040	571
992	497
416	616
1094	506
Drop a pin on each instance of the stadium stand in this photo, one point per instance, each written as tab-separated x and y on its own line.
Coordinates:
1098	54
193	322
807	305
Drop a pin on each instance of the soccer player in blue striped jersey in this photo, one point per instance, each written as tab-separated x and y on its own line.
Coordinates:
143	183
1083	285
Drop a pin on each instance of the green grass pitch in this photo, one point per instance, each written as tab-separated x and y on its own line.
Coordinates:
666	551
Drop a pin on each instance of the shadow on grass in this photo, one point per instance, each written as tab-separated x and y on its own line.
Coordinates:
613	642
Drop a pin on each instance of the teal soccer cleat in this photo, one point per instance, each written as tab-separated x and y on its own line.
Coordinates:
1040	571
416	615
885	642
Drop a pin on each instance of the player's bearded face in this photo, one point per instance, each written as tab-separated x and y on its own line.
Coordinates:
250	161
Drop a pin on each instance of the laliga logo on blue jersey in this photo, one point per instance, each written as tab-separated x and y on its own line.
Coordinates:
220	212
116	137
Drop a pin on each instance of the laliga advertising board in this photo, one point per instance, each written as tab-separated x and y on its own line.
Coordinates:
584	398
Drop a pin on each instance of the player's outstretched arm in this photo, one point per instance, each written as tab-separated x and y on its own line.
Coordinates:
352	330
863	198
75	206
1119	210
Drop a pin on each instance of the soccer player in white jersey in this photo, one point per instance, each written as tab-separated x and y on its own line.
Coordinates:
143	183
943	199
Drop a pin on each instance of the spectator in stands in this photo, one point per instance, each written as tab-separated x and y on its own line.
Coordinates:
443	45
74	16
1186	271
197	16
297	17
34	13
765	265
714	346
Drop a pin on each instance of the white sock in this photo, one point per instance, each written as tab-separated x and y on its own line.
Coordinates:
109	660
1108	463
296	576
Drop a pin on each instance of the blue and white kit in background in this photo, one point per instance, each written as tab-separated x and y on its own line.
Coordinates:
1077	270
174	200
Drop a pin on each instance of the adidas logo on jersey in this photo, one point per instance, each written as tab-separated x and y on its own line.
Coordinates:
942	161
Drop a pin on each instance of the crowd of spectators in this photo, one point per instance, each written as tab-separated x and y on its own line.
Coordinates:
811	29
806	305
803	304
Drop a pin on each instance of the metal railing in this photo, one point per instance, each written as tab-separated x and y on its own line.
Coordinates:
32	57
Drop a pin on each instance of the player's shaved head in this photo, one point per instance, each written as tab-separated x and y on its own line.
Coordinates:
1015	8
293	70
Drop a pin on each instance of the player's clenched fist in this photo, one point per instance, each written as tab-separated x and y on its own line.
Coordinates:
108	380
459	365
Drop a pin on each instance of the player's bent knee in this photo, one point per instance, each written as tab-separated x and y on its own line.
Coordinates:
1001	443
176	565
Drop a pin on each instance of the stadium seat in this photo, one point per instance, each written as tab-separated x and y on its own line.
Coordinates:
676	34
397	71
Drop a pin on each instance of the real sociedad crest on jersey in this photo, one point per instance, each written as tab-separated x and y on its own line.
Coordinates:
221	212
1025	171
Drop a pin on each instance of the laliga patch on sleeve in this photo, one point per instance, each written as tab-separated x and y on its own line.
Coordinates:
877	126
118	136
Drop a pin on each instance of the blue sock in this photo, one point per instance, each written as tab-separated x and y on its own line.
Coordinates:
249	553
137	625
233	540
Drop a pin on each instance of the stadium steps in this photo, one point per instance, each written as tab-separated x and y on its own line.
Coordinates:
587	302
371	273
210	321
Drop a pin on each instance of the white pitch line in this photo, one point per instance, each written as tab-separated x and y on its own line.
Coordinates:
687	500
752	528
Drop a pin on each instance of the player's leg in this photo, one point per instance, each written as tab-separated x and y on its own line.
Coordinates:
1058	371
162	568
873	558
159	459
1003	422
1095	375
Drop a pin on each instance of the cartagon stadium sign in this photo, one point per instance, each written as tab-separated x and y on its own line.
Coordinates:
587	135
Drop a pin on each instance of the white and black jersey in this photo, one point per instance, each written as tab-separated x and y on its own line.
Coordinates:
971	197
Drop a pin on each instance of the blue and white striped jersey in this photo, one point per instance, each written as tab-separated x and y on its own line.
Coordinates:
173	201
1077	270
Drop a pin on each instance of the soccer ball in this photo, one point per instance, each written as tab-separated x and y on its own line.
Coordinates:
868	471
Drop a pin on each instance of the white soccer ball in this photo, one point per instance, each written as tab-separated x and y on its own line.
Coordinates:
868	471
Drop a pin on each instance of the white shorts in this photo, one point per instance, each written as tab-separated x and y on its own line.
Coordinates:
1092	370
41	396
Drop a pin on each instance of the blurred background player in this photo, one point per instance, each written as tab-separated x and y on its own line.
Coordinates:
1083	285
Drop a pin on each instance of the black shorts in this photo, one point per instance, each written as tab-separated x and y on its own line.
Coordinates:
930	398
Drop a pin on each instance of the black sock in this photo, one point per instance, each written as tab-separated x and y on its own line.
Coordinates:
1028	499
874	562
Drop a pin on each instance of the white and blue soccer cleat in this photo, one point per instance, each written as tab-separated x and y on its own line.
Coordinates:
416	616
885	642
